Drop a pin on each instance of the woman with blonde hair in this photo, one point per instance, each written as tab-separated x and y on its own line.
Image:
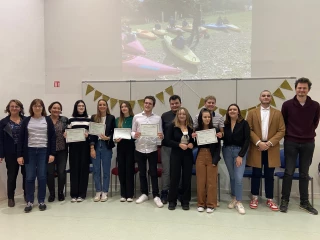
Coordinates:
101	150
125	154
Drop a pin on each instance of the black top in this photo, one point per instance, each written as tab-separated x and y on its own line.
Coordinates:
174	135
167	119
239	137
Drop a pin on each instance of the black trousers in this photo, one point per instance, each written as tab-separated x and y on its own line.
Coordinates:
12	173
79	161
59	167
291	151
181	162
125	158
268	174
142	159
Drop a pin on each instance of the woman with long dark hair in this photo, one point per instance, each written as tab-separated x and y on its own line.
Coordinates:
79	153
101	150
125	154
9	135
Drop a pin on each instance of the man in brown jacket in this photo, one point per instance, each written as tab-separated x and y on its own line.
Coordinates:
267	129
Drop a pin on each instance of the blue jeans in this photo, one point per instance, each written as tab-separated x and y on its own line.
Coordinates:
104	156
230	153
37	167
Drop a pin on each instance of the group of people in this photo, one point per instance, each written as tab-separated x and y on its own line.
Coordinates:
38	145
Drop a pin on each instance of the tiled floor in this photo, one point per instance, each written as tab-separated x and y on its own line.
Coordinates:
116	220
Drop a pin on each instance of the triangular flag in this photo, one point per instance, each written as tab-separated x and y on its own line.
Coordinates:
273	102
89	89
201	103
121	101
169	90
132	103
278	93
141	103
215	108
105	97
113	102
244	113
97	94
222	111
286	85
160	96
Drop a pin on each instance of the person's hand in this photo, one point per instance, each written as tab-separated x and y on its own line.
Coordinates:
1	159
262	146
190	145
20	161
219	135
214	165
193	135
93	153
160	135
137	135
86	134
65	135
238	161
183	146
51	159
104	137
117	140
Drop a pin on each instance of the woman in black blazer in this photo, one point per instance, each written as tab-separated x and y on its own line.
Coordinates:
101	150
9	135
179	138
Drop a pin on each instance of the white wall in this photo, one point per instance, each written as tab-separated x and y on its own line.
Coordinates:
21	59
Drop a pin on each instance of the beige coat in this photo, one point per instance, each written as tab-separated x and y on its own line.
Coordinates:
276	132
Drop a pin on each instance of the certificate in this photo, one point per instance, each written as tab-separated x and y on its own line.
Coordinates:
123	133
75	135
206	136
149	130
97	128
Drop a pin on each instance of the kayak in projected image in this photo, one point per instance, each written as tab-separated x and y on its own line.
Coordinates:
216	26
233	27
159	32
144	67
133	47
146	34
175	30
184	54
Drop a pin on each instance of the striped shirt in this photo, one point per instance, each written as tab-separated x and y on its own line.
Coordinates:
217	120
37	132
79	122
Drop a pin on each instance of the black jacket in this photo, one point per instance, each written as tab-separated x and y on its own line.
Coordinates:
173	136
110	123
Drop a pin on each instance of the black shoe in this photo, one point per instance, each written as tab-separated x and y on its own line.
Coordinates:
51	198
172	206
284	206
42	206
185	207
11	203
28	208
308	207
164	196
61	197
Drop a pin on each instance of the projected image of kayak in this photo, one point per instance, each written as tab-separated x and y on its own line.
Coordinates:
184	54
175	30
133	47
144	67
159	32
214	26
146	34
233	27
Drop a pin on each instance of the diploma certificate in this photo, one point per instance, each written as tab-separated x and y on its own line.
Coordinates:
206	136
149	130
75	135
123	133
97	128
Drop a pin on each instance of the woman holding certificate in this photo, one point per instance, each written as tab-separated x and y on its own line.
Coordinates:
125	152
179	138
101	144
235	146
207	162
79	151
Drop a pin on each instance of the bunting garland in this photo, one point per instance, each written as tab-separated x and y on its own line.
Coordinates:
89	89
160	96
141	102
97	94
113	102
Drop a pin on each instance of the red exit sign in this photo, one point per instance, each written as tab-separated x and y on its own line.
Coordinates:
56	83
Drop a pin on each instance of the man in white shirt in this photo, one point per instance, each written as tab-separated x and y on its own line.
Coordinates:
147	149
267	129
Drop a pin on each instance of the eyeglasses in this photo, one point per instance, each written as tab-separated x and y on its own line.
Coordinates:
14	107
37	106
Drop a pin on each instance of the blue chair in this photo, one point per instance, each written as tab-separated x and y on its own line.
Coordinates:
296	175
195	152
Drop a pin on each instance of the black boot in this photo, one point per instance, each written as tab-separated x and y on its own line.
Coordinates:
61	196
164	196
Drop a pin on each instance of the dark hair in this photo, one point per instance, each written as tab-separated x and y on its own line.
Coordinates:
200	121
16	101
97	117
303	80
151	98
175	97
75	110
121	118
33	103
51	105
228	119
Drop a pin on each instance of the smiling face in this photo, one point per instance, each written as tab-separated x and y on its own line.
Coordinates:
102	106
37	109
206	118
210	104
14	108
148	105
56	110
302	90
175	105
124	108
182	116
233	112
81	108
265	97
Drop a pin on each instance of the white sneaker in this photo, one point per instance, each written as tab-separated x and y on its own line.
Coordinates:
97	197
129	200
158	202
232	203
73	200
210	210
122	199
200	209
240	208
142	199
104	196
79	199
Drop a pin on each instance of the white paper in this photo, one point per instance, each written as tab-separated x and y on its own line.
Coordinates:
97	128
207	136
149	130
123	133
75	135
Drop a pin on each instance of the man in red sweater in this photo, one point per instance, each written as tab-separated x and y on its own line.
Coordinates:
301	117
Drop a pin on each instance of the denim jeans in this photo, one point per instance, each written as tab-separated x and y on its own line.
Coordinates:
37	167
230	153
103	157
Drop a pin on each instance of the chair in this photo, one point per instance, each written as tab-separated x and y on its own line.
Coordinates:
296	175
195	153
159	170
115	173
